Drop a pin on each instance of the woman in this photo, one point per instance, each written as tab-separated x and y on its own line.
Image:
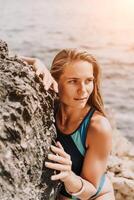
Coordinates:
84	135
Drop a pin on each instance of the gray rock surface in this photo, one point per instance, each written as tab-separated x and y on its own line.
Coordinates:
121	167
26	131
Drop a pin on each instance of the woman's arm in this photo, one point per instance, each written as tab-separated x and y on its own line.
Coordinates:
42	70
99	146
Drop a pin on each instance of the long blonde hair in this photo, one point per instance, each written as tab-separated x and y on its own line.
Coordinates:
66	57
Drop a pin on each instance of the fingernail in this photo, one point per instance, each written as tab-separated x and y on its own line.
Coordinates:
46	163
49	156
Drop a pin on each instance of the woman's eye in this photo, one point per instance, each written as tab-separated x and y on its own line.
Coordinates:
72	81
88	81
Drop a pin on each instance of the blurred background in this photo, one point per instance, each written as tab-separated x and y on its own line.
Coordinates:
103	27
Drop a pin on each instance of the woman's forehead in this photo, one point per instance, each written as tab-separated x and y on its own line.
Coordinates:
78	68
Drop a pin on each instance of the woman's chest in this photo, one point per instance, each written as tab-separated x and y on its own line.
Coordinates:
72	147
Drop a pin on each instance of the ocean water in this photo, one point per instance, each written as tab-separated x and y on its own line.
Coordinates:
103	27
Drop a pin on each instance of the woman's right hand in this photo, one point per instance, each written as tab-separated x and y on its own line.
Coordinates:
42	71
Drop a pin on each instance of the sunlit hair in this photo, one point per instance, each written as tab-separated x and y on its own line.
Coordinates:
66	57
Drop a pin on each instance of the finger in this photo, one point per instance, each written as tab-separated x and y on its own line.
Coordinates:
59	159
59	145
38	72
55	86
25	62
59	167
59	151
59	176
47	80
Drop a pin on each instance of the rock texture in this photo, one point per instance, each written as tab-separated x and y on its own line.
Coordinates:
121	167
26	131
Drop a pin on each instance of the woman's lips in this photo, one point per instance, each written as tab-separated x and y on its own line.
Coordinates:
81	99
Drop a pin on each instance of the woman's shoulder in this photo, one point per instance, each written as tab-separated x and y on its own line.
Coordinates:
99	121
99	128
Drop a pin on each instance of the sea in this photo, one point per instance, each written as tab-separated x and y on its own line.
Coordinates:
105	28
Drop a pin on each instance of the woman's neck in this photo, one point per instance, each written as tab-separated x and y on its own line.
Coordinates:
67	114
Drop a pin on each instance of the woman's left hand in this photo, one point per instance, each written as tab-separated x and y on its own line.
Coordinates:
41	71
62	163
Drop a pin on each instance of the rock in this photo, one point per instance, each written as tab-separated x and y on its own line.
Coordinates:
121	167
26	131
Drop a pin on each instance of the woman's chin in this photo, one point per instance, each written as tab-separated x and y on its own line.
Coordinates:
80	104
76	104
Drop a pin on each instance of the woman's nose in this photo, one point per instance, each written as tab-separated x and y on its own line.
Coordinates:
82	88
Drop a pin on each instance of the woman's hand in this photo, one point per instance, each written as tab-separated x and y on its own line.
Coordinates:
42	71
62	163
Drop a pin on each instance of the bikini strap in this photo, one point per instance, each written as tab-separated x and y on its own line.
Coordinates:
85	125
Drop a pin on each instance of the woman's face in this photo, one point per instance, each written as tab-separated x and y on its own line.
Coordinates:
76	84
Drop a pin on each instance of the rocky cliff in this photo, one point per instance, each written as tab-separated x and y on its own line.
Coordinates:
26	131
